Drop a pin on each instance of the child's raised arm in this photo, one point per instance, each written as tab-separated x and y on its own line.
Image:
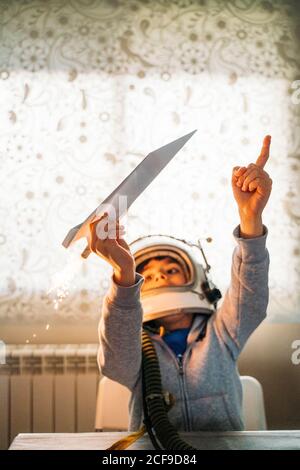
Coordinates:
120	351
251	188
245	303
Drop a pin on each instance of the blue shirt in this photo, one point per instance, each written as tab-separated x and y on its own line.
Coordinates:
177	340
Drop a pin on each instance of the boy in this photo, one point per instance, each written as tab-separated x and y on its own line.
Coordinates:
205	382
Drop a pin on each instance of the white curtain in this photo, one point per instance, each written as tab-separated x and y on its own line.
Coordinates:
89	87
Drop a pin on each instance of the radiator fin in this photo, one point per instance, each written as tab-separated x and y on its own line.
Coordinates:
48	388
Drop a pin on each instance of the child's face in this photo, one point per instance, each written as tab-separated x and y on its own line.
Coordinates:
161	273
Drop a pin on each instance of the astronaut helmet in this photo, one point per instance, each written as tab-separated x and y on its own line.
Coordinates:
197	295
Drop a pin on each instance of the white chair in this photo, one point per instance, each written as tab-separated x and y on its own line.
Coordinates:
253	404
112	405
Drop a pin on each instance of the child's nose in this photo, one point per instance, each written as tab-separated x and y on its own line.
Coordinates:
160	276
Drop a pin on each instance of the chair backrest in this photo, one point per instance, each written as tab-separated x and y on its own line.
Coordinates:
112	405
253	404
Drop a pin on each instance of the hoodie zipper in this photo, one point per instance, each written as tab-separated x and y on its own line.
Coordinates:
181	378
179	363
179	360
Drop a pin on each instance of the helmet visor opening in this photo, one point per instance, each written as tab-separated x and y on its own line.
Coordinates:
164	270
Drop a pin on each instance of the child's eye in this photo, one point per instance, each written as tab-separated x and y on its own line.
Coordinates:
172	271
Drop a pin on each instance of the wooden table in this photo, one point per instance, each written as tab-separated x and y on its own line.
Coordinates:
252	440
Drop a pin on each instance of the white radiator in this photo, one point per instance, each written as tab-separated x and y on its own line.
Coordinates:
47	388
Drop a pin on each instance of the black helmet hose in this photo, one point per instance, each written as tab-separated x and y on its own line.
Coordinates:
155	409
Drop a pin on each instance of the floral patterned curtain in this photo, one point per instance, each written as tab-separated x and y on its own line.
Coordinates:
89	87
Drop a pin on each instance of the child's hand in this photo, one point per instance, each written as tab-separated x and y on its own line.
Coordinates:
106	240
252	185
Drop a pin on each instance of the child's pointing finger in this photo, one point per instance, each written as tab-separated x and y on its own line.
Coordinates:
265	152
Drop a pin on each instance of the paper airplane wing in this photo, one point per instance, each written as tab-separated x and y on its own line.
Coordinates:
131	187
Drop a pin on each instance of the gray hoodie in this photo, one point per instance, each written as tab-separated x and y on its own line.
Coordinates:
206	386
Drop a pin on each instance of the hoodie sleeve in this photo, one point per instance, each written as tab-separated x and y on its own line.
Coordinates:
246	300
120	326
